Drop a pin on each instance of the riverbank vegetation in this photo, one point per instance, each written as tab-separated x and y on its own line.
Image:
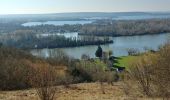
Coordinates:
27	39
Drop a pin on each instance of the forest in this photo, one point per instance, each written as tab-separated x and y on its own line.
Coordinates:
126	27
99	27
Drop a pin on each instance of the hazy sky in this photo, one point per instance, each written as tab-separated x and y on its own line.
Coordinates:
58	6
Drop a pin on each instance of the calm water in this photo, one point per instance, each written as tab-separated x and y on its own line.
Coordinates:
119	47
91	19
57	23
67	35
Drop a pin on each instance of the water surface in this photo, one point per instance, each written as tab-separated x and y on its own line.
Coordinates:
119	47
56	23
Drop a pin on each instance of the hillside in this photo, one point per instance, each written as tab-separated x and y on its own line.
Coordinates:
83	91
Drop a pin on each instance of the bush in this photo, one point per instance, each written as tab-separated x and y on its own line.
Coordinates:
17	68
93	71
44	80
14	69
133	52
58	58
161	74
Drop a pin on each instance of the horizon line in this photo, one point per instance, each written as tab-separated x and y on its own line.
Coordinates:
87	12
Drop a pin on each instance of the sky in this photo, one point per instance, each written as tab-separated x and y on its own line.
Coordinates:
61	6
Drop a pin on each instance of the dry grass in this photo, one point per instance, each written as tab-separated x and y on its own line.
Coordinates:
83	91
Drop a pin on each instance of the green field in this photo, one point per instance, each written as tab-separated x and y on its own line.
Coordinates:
125	61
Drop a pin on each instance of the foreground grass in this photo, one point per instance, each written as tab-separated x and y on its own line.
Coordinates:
82	91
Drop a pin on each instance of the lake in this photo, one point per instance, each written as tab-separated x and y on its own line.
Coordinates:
92	19
119	47
57	23
67	35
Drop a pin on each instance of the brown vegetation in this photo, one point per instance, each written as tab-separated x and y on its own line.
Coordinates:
14	70
151	74
126	27
82	91
18	67
44	79
147	77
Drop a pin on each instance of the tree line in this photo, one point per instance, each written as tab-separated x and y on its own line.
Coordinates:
28	39
99	27
126	27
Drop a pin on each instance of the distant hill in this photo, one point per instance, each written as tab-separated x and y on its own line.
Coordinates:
79	15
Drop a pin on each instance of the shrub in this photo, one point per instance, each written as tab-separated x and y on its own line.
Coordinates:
44	80
133	52
93	71
142	73
161	74
14	69
151	74
58	58
85	57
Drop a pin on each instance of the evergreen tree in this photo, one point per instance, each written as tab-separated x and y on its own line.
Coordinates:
99	52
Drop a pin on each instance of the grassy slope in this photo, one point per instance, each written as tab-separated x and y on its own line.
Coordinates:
125	61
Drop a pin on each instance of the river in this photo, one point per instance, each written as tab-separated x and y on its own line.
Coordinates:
119	47
57	23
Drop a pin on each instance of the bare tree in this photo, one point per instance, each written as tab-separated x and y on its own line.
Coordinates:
44	81
141	72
